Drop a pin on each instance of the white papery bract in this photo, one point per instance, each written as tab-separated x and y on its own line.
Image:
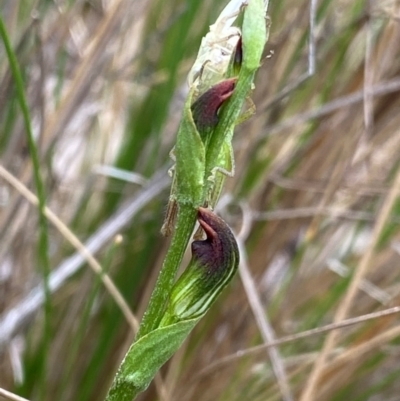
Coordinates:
216	49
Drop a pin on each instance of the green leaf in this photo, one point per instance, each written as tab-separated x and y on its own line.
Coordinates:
190	158
145	357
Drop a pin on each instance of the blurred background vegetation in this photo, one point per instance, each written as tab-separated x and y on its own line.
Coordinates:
314	200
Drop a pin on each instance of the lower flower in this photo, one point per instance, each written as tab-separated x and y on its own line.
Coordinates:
214	262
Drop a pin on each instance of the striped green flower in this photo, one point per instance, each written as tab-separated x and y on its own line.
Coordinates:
213	264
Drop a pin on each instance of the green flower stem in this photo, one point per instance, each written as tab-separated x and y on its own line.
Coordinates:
189	172
185	222
203	153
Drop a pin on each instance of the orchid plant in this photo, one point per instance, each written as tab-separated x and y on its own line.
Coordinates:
220	81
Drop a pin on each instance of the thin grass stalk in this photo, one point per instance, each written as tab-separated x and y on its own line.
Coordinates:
310	389
43	244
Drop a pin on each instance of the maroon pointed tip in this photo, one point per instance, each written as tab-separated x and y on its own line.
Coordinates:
205	108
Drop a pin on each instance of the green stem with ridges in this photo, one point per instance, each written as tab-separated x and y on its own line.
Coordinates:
185	222
165	325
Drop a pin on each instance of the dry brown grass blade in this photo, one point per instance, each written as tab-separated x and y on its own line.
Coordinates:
308	333
337	104
12	321
263	324
334	213
11	396
89	67
92	262
78	245
310	391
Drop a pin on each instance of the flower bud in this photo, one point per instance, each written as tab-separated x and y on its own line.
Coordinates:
205	108
213	264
